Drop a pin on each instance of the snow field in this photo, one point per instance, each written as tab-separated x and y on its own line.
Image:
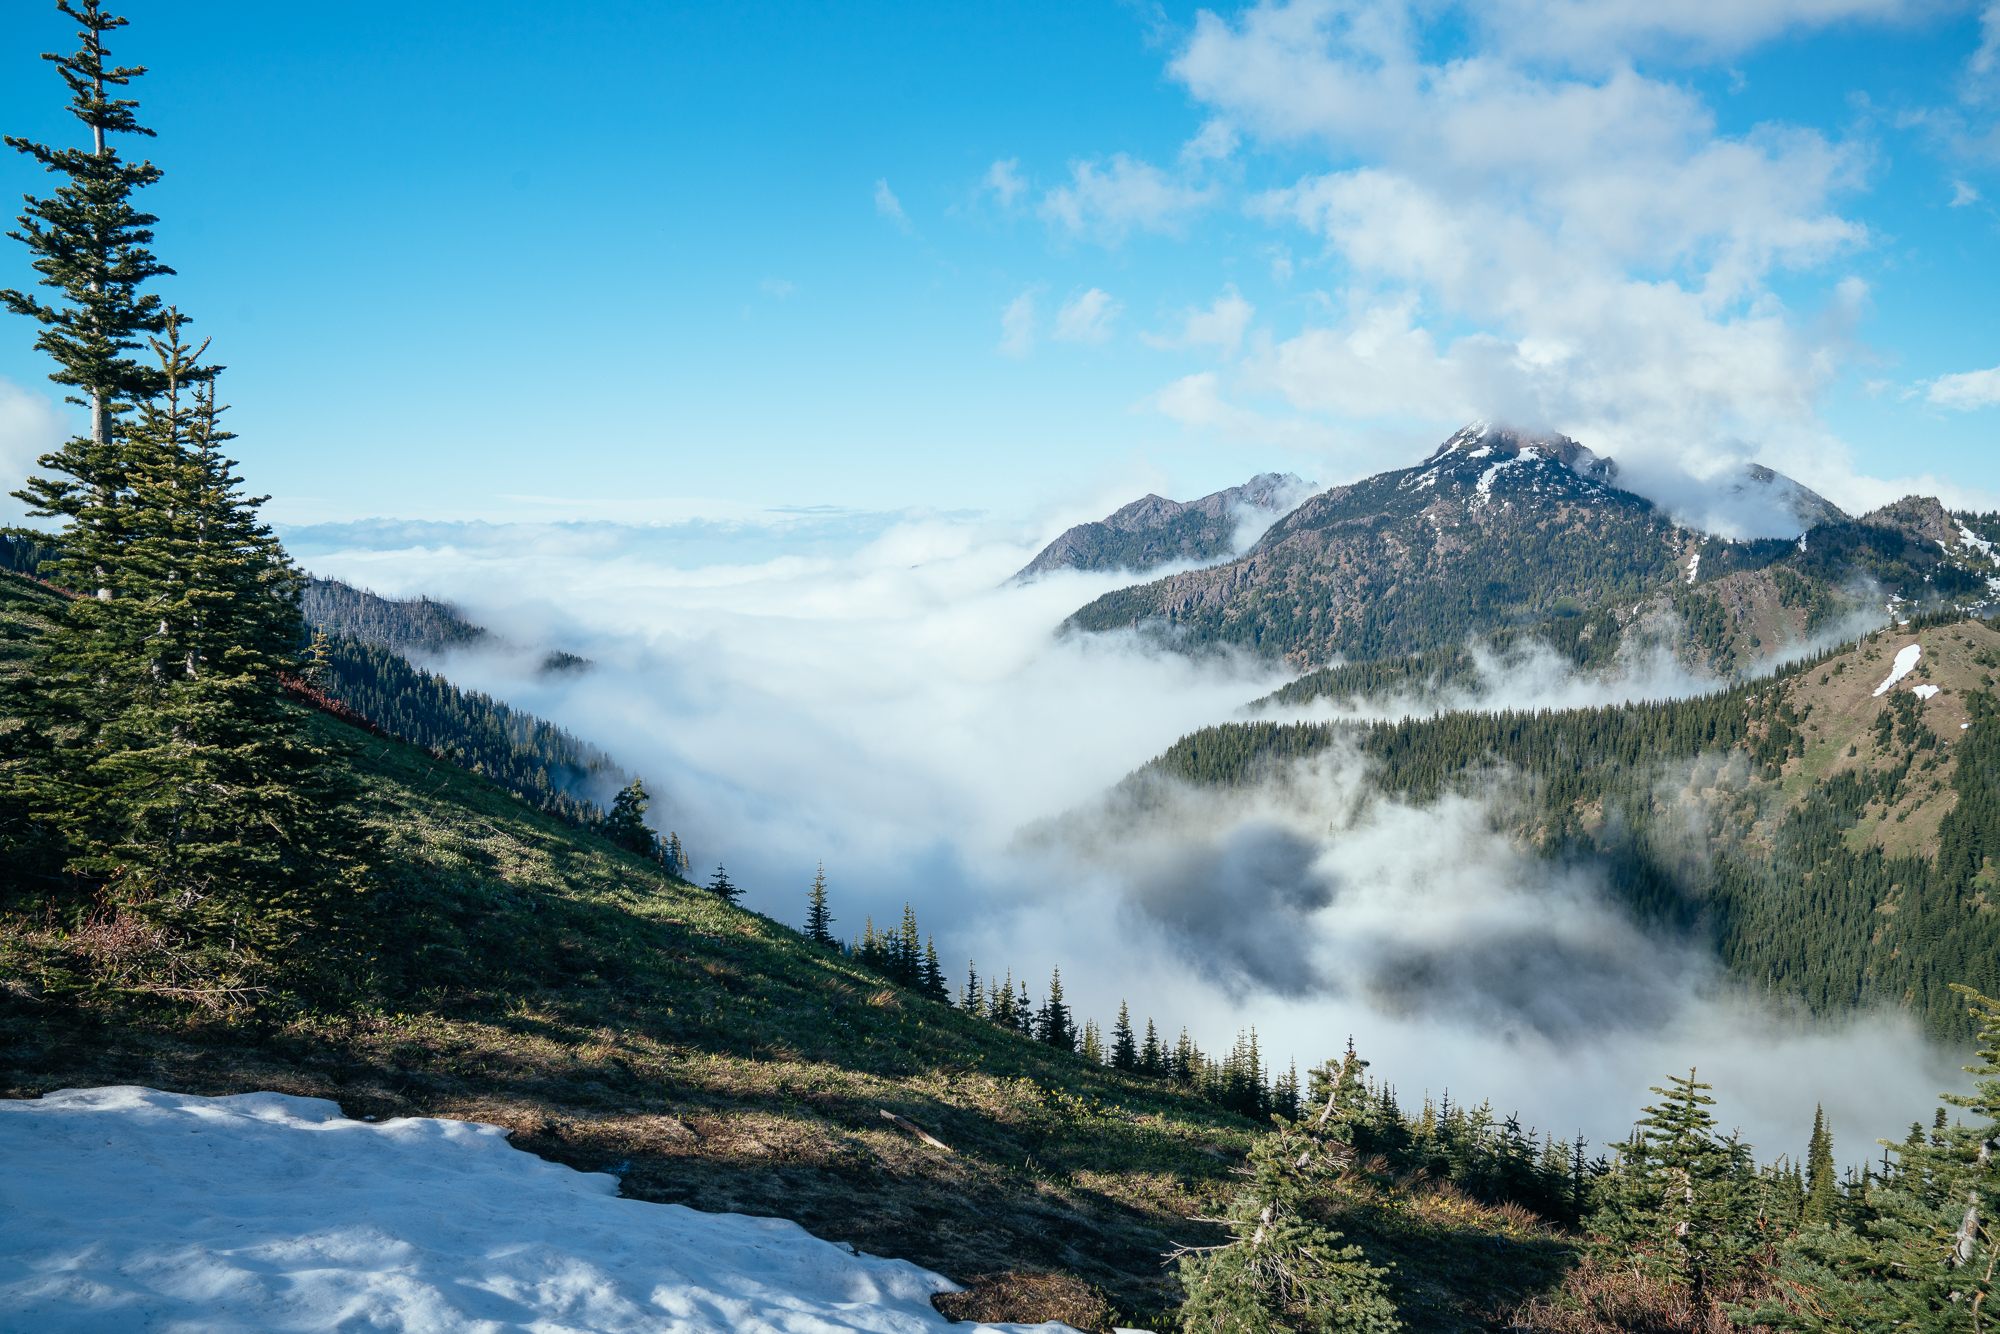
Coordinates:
1906	661
127	1209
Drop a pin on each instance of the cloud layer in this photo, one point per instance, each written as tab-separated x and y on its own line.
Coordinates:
900	712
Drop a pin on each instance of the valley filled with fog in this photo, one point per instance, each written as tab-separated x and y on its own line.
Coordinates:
878	696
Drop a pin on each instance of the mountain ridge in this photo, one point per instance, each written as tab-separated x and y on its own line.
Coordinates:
1153	531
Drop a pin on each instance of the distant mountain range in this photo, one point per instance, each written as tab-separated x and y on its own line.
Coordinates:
1502	530
1155	531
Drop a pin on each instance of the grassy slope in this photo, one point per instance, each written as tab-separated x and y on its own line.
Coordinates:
523	973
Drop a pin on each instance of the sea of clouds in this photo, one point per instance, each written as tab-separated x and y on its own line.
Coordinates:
880	697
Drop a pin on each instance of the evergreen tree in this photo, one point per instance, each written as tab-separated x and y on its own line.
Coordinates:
1001	1011
818	916
1092	1047
1283	1268
1024	1013
720	886
1674	1202
1124	1051
1053	1025
930	979
906	957
1921	1258
626	824
1152	1057
1820	1193
677	858
89	244
971	998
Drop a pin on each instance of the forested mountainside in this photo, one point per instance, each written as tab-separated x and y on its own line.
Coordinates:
1154	530
402	624
1499	529
528	756
1832	832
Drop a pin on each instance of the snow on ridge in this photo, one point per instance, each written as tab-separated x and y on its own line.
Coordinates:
1694	565
1924	692
1906	660
131	1208
1972	539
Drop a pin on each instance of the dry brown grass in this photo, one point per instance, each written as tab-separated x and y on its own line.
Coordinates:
1596	1298
1028	1298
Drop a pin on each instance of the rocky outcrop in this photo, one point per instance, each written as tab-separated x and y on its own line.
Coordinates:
1155	531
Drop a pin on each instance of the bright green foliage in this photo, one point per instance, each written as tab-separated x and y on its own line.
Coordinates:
1283	1268
626	824
1677	1203
819	917
1920	1257
89	244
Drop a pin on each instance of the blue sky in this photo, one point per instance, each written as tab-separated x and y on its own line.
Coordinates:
641	262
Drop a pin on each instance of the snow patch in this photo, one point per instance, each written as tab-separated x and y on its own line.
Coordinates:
1972	539
1924	692
1482	452
134	1209
1906	659
1694	566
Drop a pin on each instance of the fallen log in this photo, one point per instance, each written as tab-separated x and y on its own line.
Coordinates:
916	1130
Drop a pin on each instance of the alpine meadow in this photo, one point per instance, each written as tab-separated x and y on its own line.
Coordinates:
719	789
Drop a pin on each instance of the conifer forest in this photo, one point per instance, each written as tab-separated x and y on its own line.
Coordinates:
253	836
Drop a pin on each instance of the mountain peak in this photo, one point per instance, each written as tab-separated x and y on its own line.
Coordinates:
1153	530
1490	440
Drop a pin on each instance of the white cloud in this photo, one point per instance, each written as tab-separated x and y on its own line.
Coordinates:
901	713
1962	194
779	287
1107	201
1004	179
31	425
1086	317
1216	140
1017	325
1581	251
1221	326
889	206
1966	390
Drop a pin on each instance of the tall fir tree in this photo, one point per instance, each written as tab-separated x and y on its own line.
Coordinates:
1822	1195
971	997
930	978
89	243
819	917
1053	1025
1152	1057
1092	1045
1124	1051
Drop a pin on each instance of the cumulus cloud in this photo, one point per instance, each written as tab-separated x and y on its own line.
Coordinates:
889	206
1004	179
1108	200
1965	391
1570	244
1221	326
1962	195
899	711
1017	326
1086	317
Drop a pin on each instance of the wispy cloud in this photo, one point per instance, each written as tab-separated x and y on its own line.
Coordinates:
1086	317
1108	200
1221	326
778	287
1004	179
1017	325
1963	194
889	206
1965	391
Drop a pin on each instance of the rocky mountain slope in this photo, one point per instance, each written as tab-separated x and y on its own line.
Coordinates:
1502	529
1154	530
